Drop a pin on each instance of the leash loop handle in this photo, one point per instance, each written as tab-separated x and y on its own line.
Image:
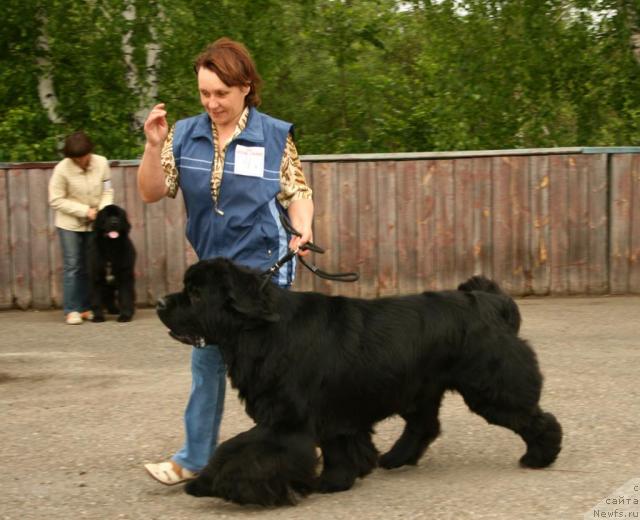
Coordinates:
336	277
309	246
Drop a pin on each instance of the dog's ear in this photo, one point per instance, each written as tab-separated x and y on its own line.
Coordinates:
250	299
99	221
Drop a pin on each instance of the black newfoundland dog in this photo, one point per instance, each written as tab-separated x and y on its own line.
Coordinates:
112	258
316	370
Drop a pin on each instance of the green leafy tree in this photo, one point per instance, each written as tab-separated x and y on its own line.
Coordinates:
366	76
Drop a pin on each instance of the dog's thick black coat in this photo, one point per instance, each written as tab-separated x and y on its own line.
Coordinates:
322	370
112	261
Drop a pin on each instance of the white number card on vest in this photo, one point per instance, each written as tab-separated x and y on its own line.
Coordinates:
249	161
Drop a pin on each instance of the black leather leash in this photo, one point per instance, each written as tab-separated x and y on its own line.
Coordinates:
309	246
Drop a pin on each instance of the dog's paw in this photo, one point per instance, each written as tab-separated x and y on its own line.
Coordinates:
97	319
395	458
539	456
389	461
200	487
334	483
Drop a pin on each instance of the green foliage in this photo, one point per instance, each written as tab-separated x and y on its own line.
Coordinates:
366	76
24	136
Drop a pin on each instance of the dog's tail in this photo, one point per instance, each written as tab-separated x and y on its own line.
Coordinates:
506	308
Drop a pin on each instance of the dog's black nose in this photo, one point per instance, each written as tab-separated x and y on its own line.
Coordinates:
161	304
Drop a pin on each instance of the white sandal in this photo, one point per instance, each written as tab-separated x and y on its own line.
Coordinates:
169	473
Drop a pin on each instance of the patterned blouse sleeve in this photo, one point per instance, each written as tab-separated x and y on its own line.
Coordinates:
169	165
293	185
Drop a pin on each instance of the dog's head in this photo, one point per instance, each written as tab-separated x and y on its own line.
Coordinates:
112	222
219	299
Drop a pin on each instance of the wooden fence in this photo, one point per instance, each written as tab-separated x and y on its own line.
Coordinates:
544	222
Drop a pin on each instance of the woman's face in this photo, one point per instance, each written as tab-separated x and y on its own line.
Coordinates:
82	161
224	104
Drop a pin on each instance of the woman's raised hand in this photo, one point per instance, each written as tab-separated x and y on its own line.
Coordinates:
156	127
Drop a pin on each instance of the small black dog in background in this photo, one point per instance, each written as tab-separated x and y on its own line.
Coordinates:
112	260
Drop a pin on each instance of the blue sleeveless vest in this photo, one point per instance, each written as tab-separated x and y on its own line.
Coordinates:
245	225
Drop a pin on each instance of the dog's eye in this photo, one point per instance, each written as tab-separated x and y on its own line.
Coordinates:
194	295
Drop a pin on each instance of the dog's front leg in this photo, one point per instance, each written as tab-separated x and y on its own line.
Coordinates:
259	466
126	295
97	294
345	458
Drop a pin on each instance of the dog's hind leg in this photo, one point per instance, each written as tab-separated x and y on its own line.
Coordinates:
421	429
109	298
346	458
500	380
543	435
540	430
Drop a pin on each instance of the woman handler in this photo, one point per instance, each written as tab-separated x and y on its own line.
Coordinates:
238	169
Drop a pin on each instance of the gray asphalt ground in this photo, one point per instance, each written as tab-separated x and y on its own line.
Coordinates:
84	407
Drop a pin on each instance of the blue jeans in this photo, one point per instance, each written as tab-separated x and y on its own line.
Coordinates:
203	414
75	278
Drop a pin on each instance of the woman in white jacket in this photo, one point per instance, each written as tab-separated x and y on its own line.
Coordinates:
79	187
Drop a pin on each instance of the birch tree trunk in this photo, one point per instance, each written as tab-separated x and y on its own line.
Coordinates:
46	88
145	85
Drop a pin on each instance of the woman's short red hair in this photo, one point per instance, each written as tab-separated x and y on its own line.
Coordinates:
232	63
